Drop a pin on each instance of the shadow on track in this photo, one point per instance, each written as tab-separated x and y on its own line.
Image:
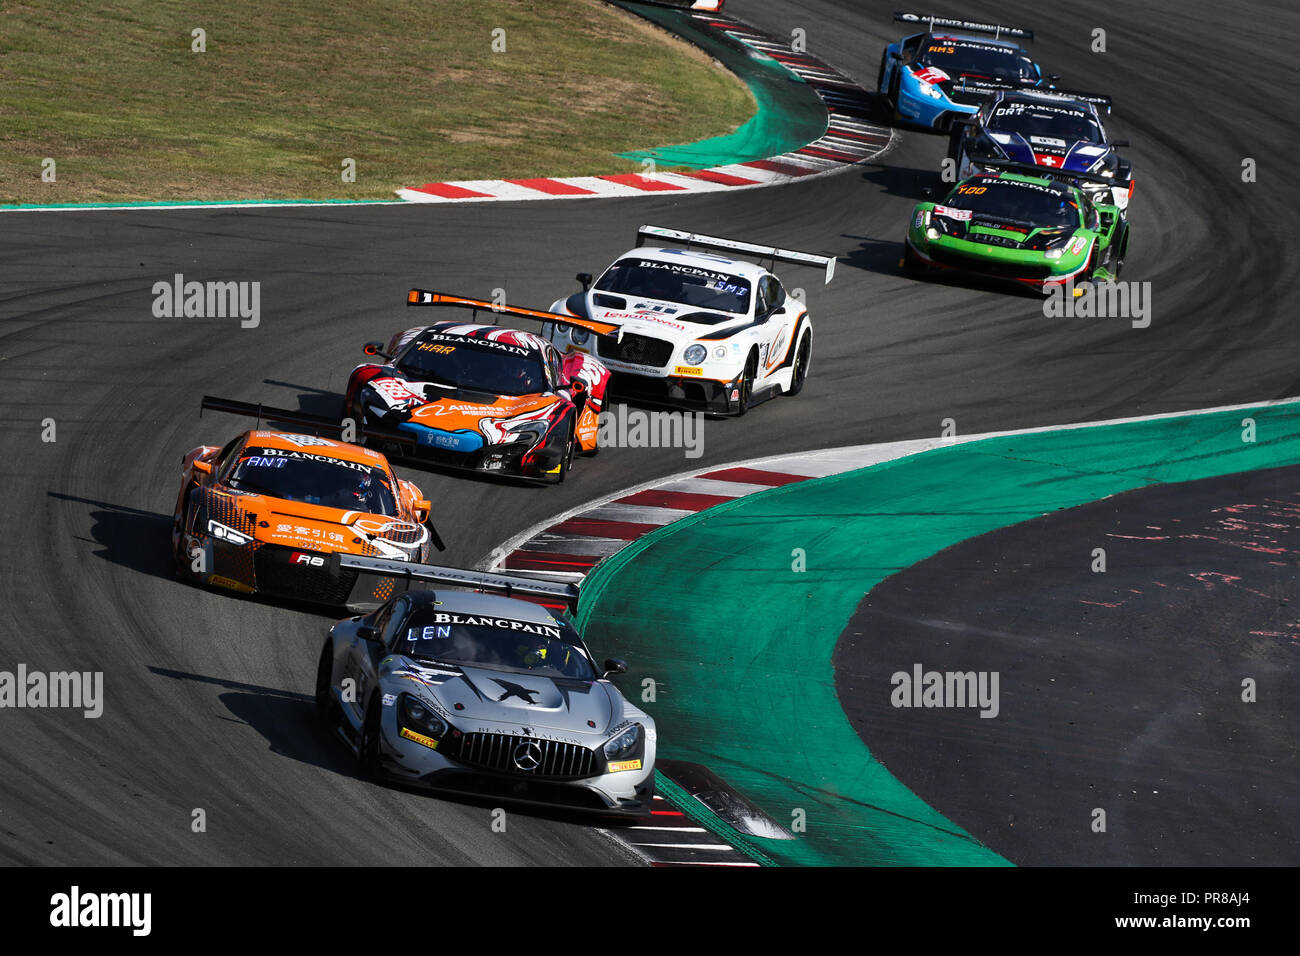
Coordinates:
907	182
122	530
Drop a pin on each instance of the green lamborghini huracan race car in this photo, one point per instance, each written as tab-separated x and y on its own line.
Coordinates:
1023	224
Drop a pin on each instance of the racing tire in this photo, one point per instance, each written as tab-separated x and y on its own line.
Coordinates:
566	462
802	362
955	136
359	420
747	384
892	97
180	559
326	706
880	76
368	748
1120	251
179	568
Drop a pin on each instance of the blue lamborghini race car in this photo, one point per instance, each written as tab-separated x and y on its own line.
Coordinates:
931	78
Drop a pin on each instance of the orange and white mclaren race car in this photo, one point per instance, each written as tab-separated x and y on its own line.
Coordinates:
482	397
271	512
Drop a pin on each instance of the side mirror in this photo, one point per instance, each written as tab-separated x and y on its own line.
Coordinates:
614	666
585	279
1119	142
368	633
927	192
422	508
374	348
205	467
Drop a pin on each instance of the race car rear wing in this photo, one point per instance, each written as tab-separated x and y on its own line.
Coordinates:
994	86
1096	99
507	583
773	253
971	26
1060	175
317	423
424	297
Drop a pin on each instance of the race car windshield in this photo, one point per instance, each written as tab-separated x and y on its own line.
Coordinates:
550	650
1020	202
497	368
314	479
677	282
977	60
1046	127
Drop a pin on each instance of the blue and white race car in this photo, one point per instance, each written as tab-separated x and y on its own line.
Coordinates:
931	78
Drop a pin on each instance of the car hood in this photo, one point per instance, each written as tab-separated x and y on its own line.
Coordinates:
580	711
471	415
996	231
1078	156
661	320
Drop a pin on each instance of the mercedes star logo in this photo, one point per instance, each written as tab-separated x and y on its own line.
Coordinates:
528	756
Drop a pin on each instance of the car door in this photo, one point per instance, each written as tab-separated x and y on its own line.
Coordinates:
778	328
361	665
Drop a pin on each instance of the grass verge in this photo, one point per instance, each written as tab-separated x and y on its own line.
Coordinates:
413	92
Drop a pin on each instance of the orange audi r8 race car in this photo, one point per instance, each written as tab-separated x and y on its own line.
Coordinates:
271	512
481	397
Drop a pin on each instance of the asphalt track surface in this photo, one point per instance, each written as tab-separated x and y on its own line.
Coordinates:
208	694
1193	601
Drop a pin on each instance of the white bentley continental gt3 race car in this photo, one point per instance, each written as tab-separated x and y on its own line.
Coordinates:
697	330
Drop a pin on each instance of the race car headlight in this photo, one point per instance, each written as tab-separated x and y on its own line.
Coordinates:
414	714
928	89
936	226
380	405
578	336
1053	240
695	354
625	743
219	530
532	432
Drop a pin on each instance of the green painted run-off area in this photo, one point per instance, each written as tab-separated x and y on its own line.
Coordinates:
739	644
789	114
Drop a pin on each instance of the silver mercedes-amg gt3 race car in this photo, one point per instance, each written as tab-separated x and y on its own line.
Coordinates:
486	695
